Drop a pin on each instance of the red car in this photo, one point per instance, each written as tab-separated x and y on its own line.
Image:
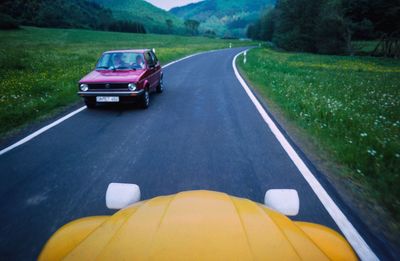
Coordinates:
123	76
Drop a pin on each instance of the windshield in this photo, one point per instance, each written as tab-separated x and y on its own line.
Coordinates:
121	61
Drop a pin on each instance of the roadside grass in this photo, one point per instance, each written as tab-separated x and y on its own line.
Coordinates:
349	105
40	68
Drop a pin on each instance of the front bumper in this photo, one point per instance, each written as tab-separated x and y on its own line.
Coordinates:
110	93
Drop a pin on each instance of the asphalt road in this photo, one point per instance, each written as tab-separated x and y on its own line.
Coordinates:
203	132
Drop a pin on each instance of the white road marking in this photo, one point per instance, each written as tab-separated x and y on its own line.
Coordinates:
40	131
187	57
357	242
51	125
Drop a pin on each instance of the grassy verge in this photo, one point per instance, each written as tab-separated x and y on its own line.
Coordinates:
349	105
40	67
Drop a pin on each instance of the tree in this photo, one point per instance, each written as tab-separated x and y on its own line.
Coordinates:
170	25
192	26
210	33
263	28
252	31
295	24
267	25
326	26
372	18
65	14
333	34
127	26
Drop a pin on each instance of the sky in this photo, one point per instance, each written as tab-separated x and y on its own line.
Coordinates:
168	4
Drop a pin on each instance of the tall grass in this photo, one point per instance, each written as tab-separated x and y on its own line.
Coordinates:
40	68
351	105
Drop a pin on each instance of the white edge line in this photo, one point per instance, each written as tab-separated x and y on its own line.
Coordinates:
55	123
354	238
40	131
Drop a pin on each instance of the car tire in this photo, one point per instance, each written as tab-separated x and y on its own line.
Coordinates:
145	99
160	86
90	104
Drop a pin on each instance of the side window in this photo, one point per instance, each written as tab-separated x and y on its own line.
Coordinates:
148	58
154	57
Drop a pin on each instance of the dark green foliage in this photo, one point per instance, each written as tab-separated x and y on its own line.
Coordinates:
7	22
295	24
58	13
210	33
127	26
372	18
263	29
192	26
326	26
66	14
239	23
332	34
170	25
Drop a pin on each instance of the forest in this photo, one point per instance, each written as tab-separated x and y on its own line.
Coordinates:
63	14
329	26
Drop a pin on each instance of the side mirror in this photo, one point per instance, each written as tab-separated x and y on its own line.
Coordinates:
121	195
285	201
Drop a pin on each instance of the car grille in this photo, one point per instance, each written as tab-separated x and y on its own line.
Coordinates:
108	86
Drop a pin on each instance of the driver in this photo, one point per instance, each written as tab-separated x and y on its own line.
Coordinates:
140	61
118	61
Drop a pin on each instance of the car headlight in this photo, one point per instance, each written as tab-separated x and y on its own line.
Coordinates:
132	86
84	87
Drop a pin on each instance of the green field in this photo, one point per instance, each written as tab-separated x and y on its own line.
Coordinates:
40	68
349	105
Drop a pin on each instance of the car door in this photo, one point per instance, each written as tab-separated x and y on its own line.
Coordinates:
151	70
157	73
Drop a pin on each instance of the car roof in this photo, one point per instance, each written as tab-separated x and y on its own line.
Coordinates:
128	51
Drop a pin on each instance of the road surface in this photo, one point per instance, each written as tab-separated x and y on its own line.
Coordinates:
203	132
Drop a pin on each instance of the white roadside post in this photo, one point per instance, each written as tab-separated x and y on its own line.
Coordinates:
230	45
245	57
154	50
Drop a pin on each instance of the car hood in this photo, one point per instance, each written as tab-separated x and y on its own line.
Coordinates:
196	225
108	76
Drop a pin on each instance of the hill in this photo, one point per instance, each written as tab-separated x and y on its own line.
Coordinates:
153	18
224	17
57	13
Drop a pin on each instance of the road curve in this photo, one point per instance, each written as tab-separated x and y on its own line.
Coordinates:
203	132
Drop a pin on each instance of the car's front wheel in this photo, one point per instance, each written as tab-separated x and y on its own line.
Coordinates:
145	99
90	103
160	87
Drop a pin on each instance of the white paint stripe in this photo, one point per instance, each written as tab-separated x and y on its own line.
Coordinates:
40	131
357	242
187	57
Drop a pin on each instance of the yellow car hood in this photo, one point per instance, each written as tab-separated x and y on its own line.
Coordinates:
195	225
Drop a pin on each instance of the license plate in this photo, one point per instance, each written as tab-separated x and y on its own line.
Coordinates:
107	99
